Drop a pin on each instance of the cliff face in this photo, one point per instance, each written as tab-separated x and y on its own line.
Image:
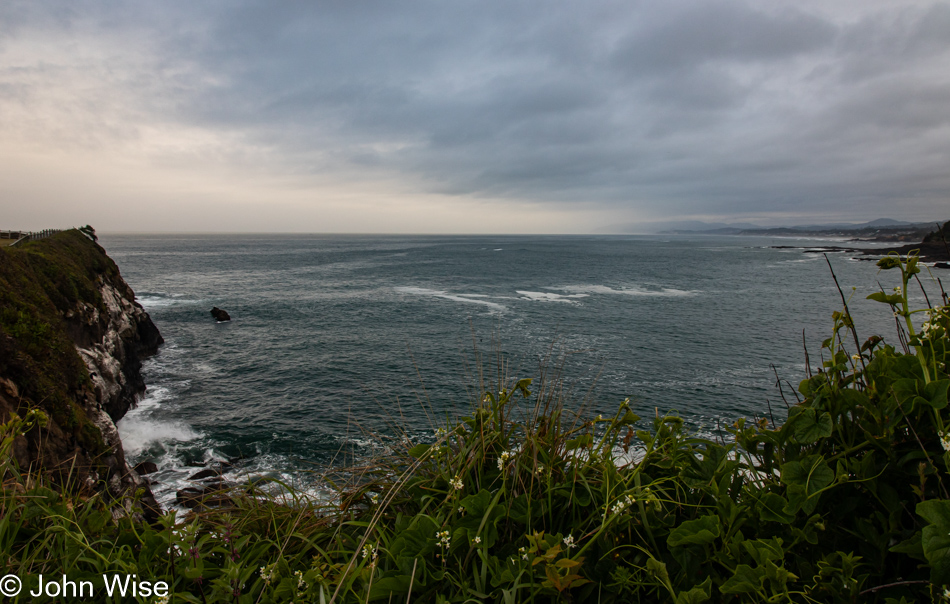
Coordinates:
72	341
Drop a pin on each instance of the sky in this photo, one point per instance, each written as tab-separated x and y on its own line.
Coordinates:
439	116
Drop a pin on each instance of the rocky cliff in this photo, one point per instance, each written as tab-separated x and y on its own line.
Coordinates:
72	341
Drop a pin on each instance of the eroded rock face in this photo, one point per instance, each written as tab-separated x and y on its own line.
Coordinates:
113	345
220	315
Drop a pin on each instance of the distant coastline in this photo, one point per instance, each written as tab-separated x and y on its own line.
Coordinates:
931	244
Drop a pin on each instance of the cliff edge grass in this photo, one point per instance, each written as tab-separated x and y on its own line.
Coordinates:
71	344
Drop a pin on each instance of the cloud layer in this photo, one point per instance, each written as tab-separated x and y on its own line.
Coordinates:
434	116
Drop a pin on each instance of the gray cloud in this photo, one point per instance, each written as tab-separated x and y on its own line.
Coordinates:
651	109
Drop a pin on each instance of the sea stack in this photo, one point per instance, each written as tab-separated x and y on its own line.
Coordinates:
220	315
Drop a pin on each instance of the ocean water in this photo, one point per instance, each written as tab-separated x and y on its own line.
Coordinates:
335	339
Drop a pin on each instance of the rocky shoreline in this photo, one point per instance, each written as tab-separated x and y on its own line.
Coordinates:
70	291
935	248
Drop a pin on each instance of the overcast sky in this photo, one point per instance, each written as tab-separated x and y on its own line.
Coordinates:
463	116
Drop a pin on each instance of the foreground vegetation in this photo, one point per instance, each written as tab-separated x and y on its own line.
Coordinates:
845	500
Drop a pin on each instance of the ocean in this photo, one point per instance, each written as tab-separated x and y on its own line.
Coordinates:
335	340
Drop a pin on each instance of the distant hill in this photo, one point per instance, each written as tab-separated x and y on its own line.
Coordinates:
744	228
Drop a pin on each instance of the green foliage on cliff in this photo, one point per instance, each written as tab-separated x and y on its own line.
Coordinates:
845	500
40	282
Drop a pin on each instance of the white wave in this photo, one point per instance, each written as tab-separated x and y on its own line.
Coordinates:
139	429
149	301
435	293
549	297
668	292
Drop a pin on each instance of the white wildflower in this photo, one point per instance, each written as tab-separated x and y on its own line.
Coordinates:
461	509
945	440
444	538
855	357
369	550
569	541
477	540
503	458
456	483
301	584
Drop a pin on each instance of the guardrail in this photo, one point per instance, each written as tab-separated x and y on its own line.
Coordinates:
24	236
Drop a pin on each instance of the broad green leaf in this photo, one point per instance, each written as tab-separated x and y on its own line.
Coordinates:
935	538
701	531
658	570
913	547
936	392
811	473
807	426
892	299
745	580
771	509
764	550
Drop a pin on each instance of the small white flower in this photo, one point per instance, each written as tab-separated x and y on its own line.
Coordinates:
569	541
477	540
301	584
456	483
461	510
504	457
539	470
374	498
945	440
524	557
855	357
444	538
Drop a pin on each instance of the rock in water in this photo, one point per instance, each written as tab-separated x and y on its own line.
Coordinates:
145	467
220	315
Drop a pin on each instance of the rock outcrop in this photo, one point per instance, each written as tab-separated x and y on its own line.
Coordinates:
220	315
72	341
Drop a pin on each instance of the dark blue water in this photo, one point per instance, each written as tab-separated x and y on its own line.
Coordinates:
335	337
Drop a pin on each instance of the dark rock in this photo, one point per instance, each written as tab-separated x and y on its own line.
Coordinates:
203	474
942	265
145	467
189	497
220	315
